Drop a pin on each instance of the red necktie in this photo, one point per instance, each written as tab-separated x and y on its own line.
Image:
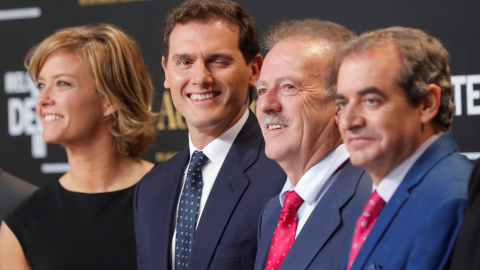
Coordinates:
364	225
284	234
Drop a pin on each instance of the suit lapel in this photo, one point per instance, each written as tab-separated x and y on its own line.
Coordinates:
324	220
227	190
271	214
442	147
163	216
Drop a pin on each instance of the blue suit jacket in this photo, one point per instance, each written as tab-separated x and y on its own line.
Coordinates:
227	231
417	228
323	240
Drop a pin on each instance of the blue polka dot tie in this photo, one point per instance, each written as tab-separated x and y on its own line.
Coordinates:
187	214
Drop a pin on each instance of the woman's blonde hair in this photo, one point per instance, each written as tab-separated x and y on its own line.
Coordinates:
117	64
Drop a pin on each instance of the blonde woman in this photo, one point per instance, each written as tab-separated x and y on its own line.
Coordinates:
95	98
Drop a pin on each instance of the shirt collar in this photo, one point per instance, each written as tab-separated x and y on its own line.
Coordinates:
311	184
217	150
389	184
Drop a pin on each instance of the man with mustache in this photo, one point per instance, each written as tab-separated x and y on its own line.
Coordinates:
308	225
206	216
395	112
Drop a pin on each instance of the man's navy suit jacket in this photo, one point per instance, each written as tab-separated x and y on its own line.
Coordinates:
417	228
324	239
226	236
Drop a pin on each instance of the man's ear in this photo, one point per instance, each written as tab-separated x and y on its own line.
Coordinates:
166	83
337	115
431	104
256	66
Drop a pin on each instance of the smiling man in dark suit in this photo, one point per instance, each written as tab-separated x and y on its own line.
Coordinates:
205	216
296	112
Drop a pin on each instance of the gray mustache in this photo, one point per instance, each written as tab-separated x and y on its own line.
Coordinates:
274	118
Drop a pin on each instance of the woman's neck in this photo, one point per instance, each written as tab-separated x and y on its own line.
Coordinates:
102	169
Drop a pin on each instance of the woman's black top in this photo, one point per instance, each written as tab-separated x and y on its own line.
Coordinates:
61	229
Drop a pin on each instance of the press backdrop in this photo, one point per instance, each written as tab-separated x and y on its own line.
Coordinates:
24	23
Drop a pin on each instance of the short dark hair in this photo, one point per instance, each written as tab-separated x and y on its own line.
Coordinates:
208	10
425	61
331	32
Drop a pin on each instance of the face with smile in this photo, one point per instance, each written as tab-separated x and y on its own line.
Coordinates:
208	77
296	117
71	111
379	127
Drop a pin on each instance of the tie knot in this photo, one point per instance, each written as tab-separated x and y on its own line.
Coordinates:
292	202
198	160
374	204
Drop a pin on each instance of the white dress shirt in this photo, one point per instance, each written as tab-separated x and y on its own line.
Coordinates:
314	183
216	151
389	184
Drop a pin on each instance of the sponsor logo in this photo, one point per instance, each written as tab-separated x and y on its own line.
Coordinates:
466	87
22	118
